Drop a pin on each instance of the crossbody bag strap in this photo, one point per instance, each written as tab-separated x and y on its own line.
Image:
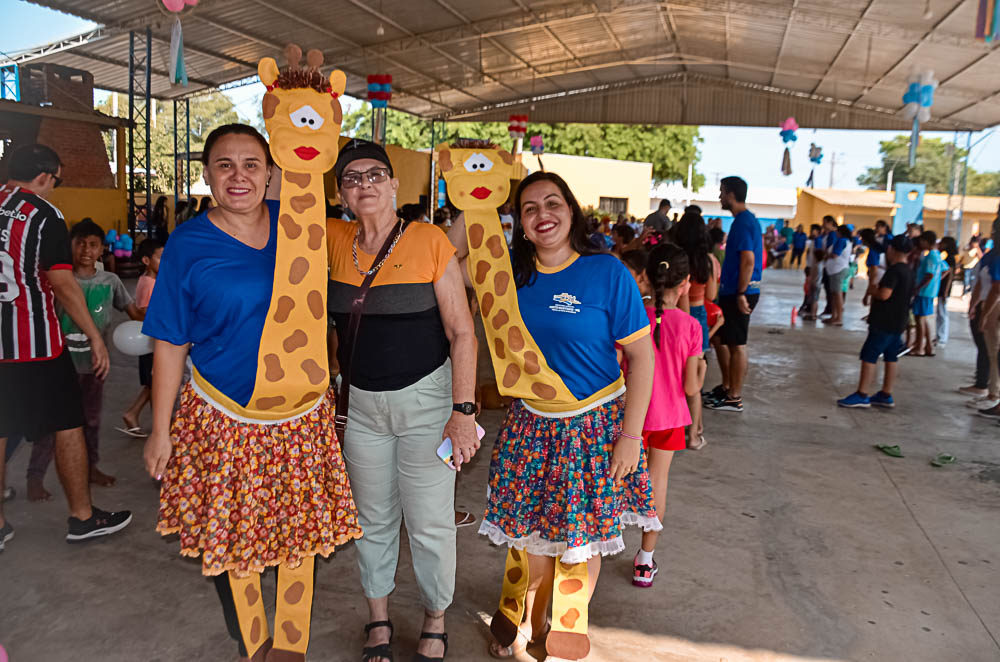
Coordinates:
351	338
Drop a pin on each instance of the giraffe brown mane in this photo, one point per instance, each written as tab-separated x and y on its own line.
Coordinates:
290	79
472	143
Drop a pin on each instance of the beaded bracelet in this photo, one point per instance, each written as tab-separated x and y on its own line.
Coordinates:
630	436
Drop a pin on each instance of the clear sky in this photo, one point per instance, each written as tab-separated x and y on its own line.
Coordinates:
754	153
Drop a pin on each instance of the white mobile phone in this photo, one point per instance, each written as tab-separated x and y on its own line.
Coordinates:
445	451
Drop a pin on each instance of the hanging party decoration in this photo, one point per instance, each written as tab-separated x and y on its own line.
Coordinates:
816	157
788	129
988	21
537	147
380	90
517	126
917	102
176	6
178	73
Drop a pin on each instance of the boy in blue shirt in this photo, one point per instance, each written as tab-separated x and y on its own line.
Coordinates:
798	247
886	323
928	284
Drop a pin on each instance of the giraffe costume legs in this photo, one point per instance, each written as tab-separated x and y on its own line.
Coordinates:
568	638
293	614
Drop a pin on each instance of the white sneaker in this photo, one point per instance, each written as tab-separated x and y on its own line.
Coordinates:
983	402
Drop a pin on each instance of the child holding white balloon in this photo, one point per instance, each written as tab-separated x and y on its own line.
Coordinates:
103	291
149	252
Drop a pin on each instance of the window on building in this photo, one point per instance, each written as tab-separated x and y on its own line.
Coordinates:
614	205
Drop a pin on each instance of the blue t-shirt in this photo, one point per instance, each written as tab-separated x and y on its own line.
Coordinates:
576	313
214	292
837	244
992	264
744	235
875	254
799	240
930	264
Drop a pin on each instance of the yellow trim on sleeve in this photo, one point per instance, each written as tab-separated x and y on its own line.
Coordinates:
644	331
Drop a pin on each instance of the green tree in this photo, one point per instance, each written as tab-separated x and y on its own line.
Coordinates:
932	167
669	148
207	112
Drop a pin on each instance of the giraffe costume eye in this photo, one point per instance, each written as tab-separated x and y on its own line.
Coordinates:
478	163
306	117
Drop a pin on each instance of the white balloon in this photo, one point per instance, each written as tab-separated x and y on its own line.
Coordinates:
924	114
910	110
129	339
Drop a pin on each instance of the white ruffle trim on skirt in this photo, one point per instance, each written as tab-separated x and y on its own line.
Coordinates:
534	544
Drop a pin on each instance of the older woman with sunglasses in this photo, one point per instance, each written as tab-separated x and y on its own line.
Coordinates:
411	373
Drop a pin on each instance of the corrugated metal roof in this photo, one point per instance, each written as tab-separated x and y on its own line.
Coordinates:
846	62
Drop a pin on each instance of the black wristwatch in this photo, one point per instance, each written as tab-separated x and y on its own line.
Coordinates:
467	408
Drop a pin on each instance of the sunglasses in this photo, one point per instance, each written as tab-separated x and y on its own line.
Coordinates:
354	179
59	180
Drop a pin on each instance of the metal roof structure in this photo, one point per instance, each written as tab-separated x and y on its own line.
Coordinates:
732	62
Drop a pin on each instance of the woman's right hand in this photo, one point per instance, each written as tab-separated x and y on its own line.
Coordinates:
156	453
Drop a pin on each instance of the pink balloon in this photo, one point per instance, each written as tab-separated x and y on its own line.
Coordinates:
3	654
173	5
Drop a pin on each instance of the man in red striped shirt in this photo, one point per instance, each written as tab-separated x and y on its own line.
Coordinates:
39	393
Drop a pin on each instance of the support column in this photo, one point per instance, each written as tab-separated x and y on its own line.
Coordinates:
139	86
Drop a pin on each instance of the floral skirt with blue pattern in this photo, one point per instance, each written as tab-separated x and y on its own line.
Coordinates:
550	487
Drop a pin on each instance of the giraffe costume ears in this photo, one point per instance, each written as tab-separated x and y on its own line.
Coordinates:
268	72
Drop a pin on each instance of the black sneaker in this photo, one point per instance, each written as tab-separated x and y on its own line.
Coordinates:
727	404
716	394
101	523
6	533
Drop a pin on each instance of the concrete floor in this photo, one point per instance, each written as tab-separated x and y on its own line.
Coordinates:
787	538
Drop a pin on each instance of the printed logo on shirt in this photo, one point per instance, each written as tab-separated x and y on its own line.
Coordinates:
565	303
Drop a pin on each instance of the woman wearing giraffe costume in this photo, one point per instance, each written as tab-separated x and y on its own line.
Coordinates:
252	474
567	469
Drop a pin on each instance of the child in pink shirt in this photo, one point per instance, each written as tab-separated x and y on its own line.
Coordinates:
677	346
149	252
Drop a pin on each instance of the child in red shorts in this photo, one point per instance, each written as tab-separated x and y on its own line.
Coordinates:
677	346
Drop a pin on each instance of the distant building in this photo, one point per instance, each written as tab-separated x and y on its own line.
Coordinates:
616	187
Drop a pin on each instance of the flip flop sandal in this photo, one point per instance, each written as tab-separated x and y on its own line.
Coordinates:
468	520
943	459
381	651
135	432
892	451
521	643
697	443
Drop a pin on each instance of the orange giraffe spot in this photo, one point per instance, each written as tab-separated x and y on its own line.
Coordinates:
500	319
296	340
498	346
516	555
476	235
316	233
308	397
511	376
294	593
495	246
291	632
315	373
252	595
531	363
500	283
300	179
515	339
543	391
300	203
272	368
255	630
298	270
270	105
315	301
288	224
487	305
570	618
570	586
285	305
510	603
514	575
269	403
482	268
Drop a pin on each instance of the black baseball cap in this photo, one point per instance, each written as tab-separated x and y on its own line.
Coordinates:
901	243
358	148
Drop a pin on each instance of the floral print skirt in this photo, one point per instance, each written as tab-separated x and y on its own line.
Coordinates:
550	486
245	496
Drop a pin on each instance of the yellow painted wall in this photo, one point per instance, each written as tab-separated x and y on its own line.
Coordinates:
412	169
591	179
107	206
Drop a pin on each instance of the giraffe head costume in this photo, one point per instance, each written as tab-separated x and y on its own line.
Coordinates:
302	114
478	178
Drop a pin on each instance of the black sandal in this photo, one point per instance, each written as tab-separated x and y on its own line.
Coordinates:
443	636
382	650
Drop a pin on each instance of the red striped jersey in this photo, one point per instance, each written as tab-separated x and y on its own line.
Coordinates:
33	240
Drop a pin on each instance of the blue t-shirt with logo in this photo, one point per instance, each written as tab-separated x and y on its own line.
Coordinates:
744	235
799	240
214	291
930	264
576	313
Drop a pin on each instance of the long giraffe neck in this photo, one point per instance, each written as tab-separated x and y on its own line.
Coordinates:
520	367
292	373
